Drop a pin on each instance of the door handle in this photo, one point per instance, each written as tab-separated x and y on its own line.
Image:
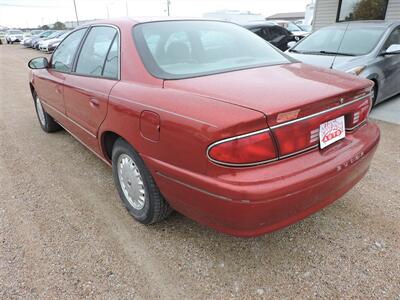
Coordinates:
94	102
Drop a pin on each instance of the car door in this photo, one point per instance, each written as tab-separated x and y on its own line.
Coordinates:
87	88
49	82
391	66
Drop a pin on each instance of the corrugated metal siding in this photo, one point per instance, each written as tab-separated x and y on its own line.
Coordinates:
326	11
393	10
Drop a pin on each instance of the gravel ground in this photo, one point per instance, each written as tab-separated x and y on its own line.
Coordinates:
65	234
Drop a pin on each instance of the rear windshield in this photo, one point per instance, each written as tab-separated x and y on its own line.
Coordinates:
184	49
347	41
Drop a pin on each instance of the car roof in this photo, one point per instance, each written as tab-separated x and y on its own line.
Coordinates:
140	20
370	24
259	24
283	21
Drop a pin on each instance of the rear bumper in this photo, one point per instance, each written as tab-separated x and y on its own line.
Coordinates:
254	201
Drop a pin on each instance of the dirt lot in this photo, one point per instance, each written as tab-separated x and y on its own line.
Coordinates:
65	234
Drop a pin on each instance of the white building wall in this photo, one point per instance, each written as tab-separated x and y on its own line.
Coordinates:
326	11
393	10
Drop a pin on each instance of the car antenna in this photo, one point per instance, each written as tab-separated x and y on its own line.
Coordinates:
340	45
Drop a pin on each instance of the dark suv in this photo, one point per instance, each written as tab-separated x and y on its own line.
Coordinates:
272	33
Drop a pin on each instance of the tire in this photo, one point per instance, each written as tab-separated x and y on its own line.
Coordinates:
45	120
136	186
375	94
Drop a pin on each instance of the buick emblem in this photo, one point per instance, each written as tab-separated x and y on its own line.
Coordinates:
341	100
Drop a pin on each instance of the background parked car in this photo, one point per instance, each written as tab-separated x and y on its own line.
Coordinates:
369	49
303	25
36	32
274	34
2	36
53	38
13	36
54	34
33	42
298	32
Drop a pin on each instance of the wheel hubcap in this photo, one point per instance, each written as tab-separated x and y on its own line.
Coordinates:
131	181
40	111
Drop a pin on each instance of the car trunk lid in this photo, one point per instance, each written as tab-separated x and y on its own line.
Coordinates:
295	98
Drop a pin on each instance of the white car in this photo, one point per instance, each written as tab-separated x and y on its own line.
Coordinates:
297	31
13	36
49	45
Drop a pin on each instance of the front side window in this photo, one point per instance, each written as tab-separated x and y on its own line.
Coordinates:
63	57
341	40
261	32
393	39
276	33
15	32
184	49
353	10
292	27
46	34
95	50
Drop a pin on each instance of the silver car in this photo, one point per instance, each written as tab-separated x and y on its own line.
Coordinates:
370	49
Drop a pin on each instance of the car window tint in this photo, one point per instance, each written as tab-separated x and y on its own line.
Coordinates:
393	39
64	55
359	41
262	32
112	61
354	40
275	33
94	50
183	49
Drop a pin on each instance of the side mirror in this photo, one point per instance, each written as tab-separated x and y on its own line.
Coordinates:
393	49
38	63
291	44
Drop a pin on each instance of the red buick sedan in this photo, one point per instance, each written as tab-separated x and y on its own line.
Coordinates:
206	118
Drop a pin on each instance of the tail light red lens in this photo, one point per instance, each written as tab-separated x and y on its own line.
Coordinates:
359	115
244	150
298	136
286	139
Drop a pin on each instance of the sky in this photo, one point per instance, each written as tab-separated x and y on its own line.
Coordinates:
32	13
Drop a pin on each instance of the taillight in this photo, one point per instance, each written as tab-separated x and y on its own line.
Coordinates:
359	115
303	134
298	136
245	150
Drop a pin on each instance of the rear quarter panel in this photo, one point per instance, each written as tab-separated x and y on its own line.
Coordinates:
188	123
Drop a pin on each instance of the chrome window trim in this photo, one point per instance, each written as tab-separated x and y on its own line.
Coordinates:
78	53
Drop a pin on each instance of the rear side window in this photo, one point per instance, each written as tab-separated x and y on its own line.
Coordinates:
95	50
112	61
63	57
